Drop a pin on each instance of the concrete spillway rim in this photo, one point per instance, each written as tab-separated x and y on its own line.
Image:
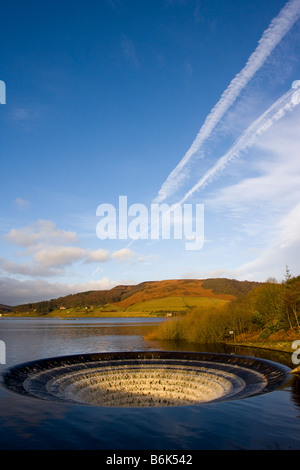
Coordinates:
277	375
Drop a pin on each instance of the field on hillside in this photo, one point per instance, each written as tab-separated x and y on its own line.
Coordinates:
174	304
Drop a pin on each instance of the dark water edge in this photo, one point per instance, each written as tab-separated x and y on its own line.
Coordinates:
230	348
265	422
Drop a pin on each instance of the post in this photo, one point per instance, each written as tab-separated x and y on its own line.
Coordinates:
232	333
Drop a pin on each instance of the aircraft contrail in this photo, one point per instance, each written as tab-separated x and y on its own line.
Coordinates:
275	112
271	37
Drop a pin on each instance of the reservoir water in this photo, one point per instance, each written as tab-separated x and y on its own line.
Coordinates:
265	422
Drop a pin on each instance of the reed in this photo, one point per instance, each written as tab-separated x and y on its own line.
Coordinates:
207	325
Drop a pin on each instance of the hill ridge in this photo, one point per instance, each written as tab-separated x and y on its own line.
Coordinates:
124	296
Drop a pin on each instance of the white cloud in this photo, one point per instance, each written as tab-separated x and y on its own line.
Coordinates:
43	231
51	261
267	205
48	252
27	269
99	255
283	249
123	254
59	256
277	164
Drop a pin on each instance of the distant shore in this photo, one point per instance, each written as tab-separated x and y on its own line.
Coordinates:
77	314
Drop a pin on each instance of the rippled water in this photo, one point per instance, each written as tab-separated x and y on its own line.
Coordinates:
268	421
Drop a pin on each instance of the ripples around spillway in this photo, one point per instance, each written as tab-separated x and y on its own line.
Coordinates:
145	379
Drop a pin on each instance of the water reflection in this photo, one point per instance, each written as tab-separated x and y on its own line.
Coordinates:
259	422
31	339
293	386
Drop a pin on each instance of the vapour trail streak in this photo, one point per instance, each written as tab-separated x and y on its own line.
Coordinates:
271	37
286	103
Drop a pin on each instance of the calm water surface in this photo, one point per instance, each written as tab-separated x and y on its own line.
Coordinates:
266	422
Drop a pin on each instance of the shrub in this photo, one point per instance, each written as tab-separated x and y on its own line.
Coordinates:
197	326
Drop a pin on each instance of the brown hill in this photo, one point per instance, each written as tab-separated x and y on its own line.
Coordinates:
5	308
169	288
124	296
100	297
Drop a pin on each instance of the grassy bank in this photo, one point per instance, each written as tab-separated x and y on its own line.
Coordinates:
82	313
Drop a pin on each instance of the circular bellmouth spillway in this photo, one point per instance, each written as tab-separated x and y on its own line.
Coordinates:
145	379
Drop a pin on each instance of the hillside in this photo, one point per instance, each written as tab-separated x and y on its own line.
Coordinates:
170	288
176	295
230	286
267	316
5	308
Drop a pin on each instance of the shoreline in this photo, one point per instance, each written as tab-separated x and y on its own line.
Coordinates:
280	346
96	315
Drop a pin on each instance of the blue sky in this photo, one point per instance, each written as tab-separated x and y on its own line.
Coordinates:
160	101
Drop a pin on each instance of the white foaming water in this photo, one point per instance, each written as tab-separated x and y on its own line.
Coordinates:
147	385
